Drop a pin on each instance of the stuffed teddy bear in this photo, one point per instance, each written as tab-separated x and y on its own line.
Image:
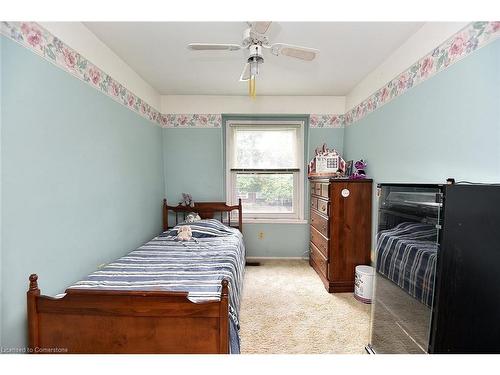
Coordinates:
192	217
187	200
184	233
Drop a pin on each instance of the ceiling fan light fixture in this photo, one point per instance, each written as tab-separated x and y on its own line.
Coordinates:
255	38
254	68
254	60
253	71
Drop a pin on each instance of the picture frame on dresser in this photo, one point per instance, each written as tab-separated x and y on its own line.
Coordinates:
349	168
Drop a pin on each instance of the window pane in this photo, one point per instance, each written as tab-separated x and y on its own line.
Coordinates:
265	193
265	148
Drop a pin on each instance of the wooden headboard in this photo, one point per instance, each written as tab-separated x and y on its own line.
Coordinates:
206	210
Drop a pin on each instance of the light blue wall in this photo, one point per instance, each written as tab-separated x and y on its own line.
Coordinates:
82	181
279	240
334	138
194	163
448	126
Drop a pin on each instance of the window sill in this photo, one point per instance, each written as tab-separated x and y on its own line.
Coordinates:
274	221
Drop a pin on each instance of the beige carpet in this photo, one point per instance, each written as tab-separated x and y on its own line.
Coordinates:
286	310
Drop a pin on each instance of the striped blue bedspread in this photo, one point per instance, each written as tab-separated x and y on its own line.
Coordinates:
407	254
197	266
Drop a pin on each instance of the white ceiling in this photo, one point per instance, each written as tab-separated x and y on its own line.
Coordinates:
157	52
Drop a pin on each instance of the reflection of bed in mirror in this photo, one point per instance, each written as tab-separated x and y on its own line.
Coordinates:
407	247
437	269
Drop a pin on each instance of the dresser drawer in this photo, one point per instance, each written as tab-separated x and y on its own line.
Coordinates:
325	190
319	259
317	188
319	241
320	189
323	206
320	223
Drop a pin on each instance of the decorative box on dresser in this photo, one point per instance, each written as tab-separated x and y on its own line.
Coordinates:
341	212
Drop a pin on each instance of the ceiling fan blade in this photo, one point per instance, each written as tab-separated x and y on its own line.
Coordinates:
260	27
245	74
299	52
213	47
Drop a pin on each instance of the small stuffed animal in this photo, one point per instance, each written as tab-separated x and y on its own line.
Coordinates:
187	200
184	233
192	217
360	173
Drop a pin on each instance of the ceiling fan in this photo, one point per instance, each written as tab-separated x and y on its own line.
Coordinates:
255	38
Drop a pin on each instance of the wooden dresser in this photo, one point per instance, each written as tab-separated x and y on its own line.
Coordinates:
341	212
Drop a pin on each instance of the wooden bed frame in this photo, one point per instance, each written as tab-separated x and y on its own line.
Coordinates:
116	321
206	210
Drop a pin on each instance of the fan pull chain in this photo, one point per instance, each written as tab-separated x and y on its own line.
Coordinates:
252	87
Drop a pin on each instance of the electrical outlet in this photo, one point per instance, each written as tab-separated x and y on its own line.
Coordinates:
261	235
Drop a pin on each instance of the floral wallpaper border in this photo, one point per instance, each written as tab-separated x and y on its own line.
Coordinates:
40	41
192	121
460	45
37	39
326	121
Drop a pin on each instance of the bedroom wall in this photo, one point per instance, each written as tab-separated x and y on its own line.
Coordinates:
262	104
194	162
81	181
430	35
80	38
447	126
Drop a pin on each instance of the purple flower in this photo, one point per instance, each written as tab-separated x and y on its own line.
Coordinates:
472	44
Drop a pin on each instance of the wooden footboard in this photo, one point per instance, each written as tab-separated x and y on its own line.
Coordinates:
109	321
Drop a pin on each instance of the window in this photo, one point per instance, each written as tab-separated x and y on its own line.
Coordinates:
265	169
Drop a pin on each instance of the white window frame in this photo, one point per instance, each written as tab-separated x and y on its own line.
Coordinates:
296	217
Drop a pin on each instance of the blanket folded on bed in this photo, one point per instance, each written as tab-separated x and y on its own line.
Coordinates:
407	254
203	229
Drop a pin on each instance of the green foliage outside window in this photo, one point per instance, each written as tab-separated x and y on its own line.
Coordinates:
273	187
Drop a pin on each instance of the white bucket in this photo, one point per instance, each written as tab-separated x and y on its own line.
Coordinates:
363	284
